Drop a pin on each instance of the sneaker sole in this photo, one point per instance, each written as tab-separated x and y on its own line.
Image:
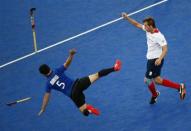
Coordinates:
158	94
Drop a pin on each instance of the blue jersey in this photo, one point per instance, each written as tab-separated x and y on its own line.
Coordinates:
57	80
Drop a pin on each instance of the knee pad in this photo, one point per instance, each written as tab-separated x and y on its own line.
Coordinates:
148	81
86	112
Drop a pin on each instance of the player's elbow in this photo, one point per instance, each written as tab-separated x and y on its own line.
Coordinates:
165	48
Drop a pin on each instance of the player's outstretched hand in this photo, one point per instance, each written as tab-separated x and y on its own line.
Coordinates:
40	113
124	15
72	52
158	62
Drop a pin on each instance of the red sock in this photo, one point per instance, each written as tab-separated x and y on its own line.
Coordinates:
152	89
171	84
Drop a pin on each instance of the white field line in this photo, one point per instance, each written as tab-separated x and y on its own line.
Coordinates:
81	34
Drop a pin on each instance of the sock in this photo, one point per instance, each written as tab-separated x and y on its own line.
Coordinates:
171	84
105	72
152	89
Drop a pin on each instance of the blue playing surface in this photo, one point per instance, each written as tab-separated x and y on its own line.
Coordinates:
122	97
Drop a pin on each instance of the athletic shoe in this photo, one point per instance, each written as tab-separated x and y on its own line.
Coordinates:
92	110
117	65
154	98
182	91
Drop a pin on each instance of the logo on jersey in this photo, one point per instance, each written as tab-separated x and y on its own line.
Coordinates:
54	79
58	83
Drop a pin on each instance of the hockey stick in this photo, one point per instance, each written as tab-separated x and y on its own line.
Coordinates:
18	101
33	27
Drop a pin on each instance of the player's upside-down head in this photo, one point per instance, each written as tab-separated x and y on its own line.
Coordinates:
45	69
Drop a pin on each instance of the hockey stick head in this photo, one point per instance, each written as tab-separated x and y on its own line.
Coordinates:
32	10
18	101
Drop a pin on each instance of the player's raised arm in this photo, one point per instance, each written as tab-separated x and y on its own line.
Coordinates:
132	21
70	57
44	103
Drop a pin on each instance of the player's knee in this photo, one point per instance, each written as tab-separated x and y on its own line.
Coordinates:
158	80
147	81
93	77
86	112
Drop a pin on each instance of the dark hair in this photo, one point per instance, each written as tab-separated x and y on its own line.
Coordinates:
44	69
150	21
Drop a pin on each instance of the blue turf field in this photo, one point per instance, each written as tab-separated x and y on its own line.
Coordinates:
122	97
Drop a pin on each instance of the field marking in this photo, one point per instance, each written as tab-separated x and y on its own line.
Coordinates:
81	34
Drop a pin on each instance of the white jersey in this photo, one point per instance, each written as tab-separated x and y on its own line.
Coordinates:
155	41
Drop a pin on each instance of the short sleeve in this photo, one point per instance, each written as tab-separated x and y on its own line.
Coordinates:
61	69
48	89
161	40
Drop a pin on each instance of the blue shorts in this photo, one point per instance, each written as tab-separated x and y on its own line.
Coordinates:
152	70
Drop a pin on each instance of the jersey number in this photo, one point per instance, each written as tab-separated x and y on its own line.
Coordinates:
60	84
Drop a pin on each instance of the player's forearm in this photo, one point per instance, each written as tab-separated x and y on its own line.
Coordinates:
70	58
132	21
45	102
68	61
164	52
